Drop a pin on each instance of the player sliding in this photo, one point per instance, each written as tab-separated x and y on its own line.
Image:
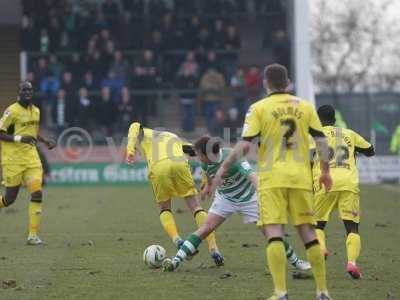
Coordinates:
280	124
236	194
170	177
344	195
21	165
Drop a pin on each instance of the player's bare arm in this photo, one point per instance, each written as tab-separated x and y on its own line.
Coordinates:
25	139
240	150
323	151
50	143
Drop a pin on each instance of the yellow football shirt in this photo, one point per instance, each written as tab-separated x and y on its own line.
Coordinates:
282	123
343	143
18	120
156	145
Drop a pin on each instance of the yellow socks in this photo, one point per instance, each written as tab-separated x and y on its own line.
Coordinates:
321	239
2	204
200	216
35	215
168	223
317	262
276	258
353	245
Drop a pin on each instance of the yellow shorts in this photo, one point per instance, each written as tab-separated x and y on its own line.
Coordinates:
30	176
275	205
171	179
347	203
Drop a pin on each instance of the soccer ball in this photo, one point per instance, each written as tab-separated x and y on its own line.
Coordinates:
153	256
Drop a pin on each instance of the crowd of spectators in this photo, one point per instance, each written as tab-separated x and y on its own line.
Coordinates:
94	62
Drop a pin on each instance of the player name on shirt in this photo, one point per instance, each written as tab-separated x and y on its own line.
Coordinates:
287	111
281	124
343	145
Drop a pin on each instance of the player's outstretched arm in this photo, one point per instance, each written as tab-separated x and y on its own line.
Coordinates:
323	152
50	143
25	139
362	146
240	150
366	151
8	120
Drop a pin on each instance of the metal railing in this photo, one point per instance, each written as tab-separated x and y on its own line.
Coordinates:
374	116
160	95
136	52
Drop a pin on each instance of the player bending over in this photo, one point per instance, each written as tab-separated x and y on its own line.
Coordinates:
236	194
20	161
170	177
344	195
280	124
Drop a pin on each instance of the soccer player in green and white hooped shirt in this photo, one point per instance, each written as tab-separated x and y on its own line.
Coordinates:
236	194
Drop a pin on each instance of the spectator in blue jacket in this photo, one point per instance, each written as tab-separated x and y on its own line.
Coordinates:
49	86
115	84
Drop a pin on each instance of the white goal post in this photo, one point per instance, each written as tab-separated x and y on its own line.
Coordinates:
301	50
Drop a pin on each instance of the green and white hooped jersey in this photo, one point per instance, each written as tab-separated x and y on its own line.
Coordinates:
235	187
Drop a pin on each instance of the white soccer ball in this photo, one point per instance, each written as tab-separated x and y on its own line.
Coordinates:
153	256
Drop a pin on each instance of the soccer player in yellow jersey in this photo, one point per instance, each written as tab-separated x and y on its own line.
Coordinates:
280	124
170	177
344	195
20	161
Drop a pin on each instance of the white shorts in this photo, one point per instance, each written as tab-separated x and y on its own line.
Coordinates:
225	208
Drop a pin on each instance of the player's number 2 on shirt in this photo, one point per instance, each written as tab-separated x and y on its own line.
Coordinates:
341	155
291	126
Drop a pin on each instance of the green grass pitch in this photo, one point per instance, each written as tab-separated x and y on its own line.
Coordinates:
96	236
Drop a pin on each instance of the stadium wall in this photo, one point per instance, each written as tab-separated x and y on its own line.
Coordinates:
380	169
